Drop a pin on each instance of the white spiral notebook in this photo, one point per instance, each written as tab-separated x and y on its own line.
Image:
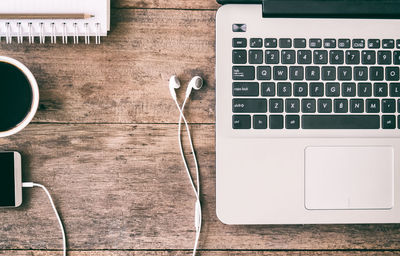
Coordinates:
24	20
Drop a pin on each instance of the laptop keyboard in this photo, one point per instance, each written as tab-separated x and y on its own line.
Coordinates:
319	83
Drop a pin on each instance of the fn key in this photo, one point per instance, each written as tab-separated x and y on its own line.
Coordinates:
241	122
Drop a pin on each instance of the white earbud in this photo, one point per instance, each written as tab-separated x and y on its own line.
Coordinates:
196	83
173	85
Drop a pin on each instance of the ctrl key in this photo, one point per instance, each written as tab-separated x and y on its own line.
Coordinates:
241	121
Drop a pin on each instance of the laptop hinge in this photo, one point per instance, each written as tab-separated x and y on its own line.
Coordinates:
367	9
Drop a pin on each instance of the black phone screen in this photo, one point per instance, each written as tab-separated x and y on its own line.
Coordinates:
7	179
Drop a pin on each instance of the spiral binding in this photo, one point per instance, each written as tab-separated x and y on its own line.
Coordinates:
30	31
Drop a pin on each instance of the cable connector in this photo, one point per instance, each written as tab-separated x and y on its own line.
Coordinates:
197	220
27	184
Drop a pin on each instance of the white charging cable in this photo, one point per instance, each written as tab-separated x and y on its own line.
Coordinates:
31	185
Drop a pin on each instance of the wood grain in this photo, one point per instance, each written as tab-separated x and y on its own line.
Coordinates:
201	253
186	4
104	143
125	79
124	187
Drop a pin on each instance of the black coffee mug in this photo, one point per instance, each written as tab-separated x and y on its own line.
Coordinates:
19	96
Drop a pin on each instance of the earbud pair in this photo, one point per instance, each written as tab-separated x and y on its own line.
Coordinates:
174	83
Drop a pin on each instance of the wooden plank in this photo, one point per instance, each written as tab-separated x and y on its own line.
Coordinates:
123	187
186	4
202	253
125	79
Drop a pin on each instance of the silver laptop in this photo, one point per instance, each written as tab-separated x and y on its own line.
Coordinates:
307	112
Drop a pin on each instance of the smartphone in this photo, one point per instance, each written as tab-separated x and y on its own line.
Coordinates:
10	179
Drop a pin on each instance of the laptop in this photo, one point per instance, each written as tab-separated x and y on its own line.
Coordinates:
307	112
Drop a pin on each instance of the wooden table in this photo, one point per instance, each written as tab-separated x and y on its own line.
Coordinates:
104	141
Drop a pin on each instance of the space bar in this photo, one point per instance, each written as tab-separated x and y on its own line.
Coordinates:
340	122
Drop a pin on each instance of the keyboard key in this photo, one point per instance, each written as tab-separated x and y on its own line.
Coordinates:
263	73
387	43
398	122
284	89
364	89
249	105
276	105
312	73
300	89
256	57
300	43
398	46
357	106
315	43
272	57
270	42
384	57
396	57
348	89
241	122
345	73
388	122
358	43
368	57
260	122
340	122
373	106
275	122
376	73
308	106
380	89
292	122
344	43
336	57
330	43
280	73
328	73
285	43
320	57
288	57
388	106
332	89
392	74
360	73
395	90
268	89
324	106
340	105
374	43
256	42
239	56
243	73
245	89
292	105
239	42
316	89
304	57
352	57
296	73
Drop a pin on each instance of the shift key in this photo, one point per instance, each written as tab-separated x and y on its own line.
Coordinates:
243	73
249	105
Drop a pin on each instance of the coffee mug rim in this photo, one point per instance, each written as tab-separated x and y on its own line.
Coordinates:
35	96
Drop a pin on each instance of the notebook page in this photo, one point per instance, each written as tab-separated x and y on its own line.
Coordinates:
98	25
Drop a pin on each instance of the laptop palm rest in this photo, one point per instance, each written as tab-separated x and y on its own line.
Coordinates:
353	178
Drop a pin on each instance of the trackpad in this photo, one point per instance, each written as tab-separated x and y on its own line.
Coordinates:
340	178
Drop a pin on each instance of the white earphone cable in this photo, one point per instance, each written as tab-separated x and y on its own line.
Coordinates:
198	210
31	185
